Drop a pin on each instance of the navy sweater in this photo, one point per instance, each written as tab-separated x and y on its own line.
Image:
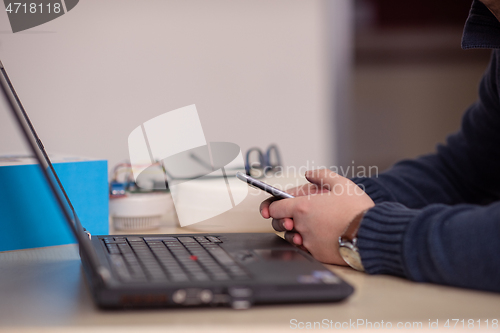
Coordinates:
437	218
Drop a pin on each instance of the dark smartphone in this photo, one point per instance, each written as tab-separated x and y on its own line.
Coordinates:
263	186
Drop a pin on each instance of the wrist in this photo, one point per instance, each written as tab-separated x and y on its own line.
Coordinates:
348	247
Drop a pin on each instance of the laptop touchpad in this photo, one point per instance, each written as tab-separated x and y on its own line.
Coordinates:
280	254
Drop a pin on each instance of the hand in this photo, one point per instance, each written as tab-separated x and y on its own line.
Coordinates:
493	6
319	214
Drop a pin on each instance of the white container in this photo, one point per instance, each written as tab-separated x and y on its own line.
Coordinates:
139	211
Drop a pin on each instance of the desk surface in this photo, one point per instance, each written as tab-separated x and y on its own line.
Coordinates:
44	289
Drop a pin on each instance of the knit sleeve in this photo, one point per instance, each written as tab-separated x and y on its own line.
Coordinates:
452	245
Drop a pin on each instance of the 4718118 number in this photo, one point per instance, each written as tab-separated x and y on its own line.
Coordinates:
471	323
33	8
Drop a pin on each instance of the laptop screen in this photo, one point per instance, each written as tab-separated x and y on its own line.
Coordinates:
37	150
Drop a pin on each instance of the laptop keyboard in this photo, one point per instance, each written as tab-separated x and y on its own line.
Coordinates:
176	259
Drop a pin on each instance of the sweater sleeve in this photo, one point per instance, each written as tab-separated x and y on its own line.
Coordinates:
437	218
465	170
452	245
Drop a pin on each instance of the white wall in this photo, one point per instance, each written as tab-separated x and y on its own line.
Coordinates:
91	76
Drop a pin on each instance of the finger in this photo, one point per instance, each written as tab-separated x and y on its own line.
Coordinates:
282	224
288	224
294	238
323	178
277	225
297	239
284	208
306	189
264	207
302	247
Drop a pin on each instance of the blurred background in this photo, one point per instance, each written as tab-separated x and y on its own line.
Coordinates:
411	80
331	82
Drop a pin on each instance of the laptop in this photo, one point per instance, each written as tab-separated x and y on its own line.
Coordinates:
184	270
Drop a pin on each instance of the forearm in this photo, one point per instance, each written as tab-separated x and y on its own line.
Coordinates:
451	245
415	184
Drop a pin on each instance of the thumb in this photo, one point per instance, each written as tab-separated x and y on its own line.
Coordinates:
323	178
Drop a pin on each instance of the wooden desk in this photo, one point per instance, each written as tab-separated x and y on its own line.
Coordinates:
45	290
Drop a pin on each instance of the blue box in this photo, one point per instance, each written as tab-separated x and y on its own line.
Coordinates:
29	214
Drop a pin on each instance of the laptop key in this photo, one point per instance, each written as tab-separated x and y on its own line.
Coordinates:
114	242
202	239
221	256
214	239
124	248
221	277
114	250
209	246
180	278
119	266
201	277
134	239
187	240
157	239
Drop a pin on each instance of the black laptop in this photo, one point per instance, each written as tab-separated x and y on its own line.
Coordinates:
181	270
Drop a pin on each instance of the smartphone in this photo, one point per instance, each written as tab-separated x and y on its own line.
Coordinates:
263	186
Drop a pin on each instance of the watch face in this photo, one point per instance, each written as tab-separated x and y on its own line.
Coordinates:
351	257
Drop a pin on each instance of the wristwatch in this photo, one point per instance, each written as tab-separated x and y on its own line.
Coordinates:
348	243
